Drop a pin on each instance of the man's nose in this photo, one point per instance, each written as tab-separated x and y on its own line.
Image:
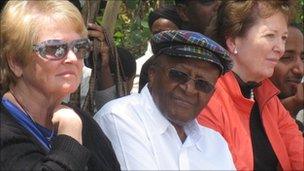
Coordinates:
298	66
189	87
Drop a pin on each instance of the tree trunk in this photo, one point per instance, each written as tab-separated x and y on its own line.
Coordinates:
110	16
89	13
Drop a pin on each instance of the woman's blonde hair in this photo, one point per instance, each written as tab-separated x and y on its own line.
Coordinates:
21	23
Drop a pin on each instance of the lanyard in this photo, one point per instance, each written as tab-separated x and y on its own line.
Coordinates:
26	123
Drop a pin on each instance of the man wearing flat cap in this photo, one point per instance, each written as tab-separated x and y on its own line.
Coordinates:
156	129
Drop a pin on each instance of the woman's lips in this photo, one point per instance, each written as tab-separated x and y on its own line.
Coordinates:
273	61
66	73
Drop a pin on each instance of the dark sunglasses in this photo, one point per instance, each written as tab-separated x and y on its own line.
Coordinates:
58	49
182	78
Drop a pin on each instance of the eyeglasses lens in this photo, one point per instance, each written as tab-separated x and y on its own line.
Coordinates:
82	48
178	76
203	86
58	49
182	78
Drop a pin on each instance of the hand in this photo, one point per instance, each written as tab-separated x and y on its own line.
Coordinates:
68	121
96	31
104	78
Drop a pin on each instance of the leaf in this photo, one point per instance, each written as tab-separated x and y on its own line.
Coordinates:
119	34
99	20
125	18
145	24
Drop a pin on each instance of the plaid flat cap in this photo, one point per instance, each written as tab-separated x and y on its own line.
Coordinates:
188	44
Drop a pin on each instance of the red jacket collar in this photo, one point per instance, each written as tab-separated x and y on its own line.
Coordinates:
262	93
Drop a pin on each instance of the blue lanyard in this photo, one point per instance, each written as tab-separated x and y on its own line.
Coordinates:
26	122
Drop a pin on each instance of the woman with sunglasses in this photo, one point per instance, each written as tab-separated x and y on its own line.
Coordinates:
245	108
43	44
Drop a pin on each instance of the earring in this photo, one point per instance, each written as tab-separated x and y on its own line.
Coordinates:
235	51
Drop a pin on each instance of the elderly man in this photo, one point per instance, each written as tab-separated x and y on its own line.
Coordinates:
156	129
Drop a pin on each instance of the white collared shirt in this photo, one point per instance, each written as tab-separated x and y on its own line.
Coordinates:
143	139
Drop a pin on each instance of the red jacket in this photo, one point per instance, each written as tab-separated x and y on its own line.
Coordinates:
228	112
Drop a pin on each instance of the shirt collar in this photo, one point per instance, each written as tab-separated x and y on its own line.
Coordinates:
192	130
194	133
161	124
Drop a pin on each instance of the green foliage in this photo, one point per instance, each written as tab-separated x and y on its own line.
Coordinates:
300	12
132	30
299	15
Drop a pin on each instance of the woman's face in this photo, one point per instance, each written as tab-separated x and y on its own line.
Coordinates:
56	78
260	49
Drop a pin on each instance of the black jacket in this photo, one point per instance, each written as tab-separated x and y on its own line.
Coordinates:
21	151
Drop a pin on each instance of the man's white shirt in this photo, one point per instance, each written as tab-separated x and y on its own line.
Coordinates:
143	139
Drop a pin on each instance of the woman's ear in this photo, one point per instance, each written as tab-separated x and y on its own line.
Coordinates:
231	45
15	66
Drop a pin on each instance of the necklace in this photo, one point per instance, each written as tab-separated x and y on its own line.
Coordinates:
251	94
49	138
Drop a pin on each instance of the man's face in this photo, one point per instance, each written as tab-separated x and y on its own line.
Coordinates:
290	69
198	14
181	102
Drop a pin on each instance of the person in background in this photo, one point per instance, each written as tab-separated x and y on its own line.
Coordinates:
128	68
245	108
164	18
196	14
104	80
104	89
143	77
43	45
156	129
161	19
289	72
